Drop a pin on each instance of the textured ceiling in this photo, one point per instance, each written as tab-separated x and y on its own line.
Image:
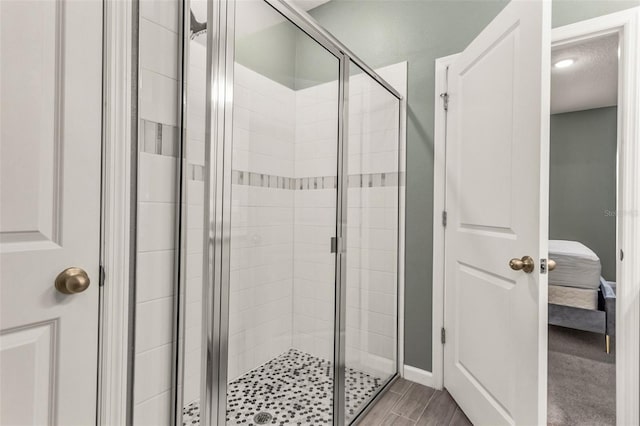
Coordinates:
592	81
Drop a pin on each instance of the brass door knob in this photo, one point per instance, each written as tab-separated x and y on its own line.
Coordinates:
525	264
72	281
551	264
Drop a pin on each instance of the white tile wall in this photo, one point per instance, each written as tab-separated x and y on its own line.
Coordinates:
264	114
314	271
158	97
155	42
372	218
161	12
156	178
154	411
262	240
156	226
274	230
155	267
153	374
316	154
158	103
372	233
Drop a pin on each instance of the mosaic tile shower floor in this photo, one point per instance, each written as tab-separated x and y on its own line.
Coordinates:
295	388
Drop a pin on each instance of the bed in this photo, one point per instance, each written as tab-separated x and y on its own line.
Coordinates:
579	297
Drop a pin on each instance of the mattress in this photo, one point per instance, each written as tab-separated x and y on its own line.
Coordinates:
576	265
572	296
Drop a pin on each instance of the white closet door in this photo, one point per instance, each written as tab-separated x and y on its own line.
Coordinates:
50	124
497	162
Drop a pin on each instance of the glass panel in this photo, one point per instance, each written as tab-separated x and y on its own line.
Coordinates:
157	212
372	239
191	373
284	173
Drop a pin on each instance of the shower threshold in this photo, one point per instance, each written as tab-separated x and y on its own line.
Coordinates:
293	388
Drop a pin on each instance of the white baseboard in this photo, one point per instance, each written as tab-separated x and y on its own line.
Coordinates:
374	364
417	375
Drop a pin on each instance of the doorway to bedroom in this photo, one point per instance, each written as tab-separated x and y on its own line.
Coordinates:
582	232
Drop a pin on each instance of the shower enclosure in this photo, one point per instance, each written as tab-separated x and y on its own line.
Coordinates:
288	230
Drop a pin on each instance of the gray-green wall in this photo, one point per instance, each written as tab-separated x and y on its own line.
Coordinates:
285	54
582	182
389	31
270	52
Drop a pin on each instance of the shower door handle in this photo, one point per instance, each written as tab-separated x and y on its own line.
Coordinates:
334	244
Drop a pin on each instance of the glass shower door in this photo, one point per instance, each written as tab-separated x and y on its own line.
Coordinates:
274	326
372	239
191	368
281	290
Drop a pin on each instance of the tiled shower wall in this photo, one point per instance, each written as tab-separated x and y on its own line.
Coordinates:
158	144
284	212
316	155
372	222
260	302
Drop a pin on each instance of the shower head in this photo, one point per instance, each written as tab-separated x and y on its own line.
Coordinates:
197	28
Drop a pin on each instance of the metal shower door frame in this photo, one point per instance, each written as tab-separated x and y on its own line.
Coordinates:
218	166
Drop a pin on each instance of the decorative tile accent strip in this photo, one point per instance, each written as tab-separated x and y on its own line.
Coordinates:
316	182
294	388
239	177
162	139
195	172
370	180
158	138
373	180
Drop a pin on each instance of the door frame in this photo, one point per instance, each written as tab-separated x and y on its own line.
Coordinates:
626	23
117	252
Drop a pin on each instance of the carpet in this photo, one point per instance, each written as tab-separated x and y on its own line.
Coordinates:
582	379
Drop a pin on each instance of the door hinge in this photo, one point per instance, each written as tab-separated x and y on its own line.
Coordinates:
444	218
334	244
543	266
445	100
443	336
101	277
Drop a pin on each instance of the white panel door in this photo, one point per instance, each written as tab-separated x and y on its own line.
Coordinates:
497	161
50	129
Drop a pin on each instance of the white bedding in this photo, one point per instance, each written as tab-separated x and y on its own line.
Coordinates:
573	296
576	265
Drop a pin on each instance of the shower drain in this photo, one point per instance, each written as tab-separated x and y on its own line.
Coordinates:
262	418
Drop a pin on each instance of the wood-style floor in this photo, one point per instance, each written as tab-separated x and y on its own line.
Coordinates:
408	403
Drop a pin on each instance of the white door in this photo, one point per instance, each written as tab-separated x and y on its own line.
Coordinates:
50	125
497	161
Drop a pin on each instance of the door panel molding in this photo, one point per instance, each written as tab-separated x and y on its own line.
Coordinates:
36	343
31	217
